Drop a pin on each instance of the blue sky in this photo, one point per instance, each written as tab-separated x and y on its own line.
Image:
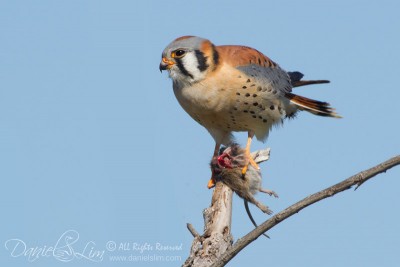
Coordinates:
93	140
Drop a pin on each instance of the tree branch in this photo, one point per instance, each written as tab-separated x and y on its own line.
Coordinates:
357	179
217	237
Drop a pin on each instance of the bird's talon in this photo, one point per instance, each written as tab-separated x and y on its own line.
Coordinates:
244	170
254	164
211	183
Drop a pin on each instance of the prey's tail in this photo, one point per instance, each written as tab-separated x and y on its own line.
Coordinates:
246	206
314	106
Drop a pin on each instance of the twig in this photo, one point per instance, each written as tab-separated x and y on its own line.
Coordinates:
192	230
261	155
357	179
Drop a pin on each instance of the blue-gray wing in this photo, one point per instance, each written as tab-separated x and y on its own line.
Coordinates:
272	79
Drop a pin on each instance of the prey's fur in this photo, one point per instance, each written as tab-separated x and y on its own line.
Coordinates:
227	168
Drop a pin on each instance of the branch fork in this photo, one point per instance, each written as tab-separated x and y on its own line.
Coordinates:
216	248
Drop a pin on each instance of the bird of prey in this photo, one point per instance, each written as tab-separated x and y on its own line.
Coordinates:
233	88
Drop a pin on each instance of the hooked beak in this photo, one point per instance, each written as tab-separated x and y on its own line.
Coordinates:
166	64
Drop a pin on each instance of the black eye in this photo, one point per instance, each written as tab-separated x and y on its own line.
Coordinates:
179	53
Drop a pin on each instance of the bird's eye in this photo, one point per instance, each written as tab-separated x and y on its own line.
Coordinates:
178	53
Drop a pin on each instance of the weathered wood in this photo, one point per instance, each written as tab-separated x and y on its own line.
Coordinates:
217	237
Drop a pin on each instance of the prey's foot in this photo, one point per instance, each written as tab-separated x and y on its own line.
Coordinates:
264	208
269	192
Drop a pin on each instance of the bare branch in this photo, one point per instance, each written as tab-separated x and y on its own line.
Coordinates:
357	179
217	237
192	230
261	155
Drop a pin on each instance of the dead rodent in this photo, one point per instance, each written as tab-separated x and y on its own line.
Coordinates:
227	168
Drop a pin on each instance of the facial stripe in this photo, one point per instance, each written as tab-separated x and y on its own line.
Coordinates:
215	56
202	60
181	67
191	64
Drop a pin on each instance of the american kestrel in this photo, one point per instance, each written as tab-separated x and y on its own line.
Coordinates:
233	88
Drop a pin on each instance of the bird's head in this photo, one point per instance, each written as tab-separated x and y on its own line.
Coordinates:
188	59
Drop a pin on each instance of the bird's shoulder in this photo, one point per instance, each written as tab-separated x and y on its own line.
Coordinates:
255	65
237	55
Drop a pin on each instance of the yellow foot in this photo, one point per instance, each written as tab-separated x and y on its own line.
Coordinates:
244	170
251	162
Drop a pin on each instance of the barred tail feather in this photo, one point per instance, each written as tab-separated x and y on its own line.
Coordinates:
316	107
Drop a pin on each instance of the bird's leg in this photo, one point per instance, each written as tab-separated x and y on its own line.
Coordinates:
250	160
211	182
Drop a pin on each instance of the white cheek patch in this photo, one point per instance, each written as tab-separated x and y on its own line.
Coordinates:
191	64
